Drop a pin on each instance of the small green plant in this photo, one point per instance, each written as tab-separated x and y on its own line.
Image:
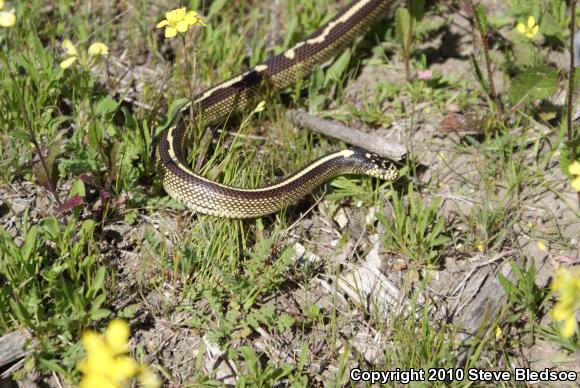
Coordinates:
255	375
52	283
416	230
405	20
523	293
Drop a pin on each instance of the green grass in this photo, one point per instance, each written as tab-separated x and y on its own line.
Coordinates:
78	144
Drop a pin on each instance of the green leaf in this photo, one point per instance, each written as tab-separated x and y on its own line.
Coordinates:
418	9
99	280
335	72
534	84
20	313
171	112
98	314
77	187
130	121
215	8
106	105
402	27
549	26
482	18
30	244
315	100
95	136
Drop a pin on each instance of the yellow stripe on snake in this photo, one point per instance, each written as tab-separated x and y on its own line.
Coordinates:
215	104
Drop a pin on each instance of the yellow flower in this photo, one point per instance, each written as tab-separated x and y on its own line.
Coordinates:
574	170
98	49
7	18
567	283
71	52
576	183
542	246
179	20
149	379
530	30
72	55
498	333
106	363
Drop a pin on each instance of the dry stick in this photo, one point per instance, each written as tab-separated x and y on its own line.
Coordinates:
571	69
387	149
483	38
407	46
12	346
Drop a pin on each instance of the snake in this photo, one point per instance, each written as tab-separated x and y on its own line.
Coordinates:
278	72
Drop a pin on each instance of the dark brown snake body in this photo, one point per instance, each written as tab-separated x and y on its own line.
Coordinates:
215	104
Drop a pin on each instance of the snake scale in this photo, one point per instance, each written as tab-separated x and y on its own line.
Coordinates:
215	104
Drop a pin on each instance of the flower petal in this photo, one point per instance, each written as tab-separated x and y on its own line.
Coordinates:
124	368
521	28
70	48
560	313
576	184
68	62
574	168
117	336
175	15
531	22
1	4
162	24
181	26
98	49
569	327
148	379
92	381
191	18
534	30
170	32
7	19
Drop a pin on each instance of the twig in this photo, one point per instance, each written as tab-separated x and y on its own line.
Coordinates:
407	46
387	149
492	93
12	346
571	70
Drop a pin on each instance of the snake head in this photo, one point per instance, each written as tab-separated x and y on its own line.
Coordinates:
371	164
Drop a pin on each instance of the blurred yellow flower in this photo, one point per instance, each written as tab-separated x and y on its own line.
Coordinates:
7	18
95	52
498	333
71	53
98	49
574	170
530	30
567	284
107	364
542	246
179	20
480	245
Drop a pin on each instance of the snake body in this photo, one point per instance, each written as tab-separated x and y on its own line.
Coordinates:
215	104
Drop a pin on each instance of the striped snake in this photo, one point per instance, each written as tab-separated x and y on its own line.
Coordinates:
215	104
